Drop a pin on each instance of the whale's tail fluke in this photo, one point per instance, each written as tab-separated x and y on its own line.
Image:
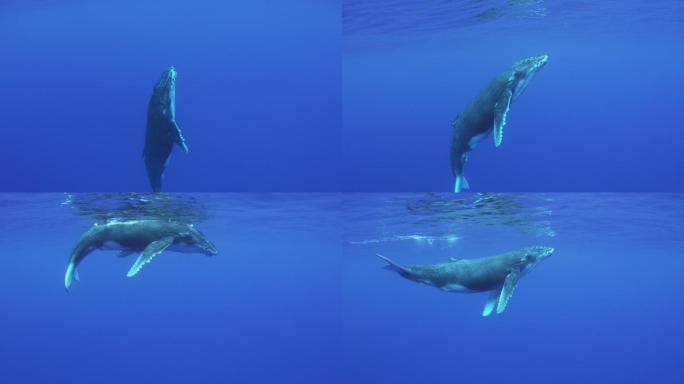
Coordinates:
71	275
461	183
392	266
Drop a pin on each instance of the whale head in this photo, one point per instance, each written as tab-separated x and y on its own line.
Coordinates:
532	256
523	71
166	86
194	241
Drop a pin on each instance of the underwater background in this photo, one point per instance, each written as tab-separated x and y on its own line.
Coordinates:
296	293
602	115
264	310
602	309
300	108
257	95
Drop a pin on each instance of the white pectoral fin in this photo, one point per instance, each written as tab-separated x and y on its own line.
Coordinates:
152	250
507	290
492	300
179	137
500	112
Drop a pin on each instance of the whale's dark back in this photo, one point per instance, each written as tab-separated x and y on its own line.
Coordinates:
159	139
476	119
480	274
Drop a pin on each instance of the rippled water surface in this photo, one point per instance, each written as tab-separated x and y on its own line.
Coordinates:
397	17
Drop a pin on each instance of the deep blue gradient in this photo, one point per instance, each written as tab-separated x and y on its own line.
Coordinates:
264	310
602	115
258	93
603	309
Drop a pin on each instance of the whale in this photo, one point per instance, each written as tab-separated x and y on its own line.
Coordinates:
487	113
498	274
148	237
162	130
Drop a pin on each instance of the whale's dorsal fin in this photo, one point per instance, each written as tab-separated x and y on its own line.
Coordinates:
153	249
500	112
492	300
454	259
507	290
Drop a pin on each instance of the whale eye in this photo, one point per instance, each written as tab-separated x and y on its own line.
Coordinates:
529	258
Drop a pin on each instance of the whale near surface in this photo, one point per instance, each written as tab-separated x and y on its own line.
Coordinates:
487	113
149	237
498	274
162	130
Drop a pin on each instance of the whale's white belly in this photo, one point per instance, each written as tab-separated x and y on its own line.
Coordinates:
455	287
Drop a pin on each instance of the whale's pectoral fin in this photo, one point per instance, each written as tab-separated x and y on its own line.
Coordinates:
152	250
507	290
492	300
500	111
179	137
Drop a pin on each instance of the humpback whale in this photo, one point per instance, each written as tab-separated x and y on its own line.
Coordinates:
162	129
498	274
487	112
150	237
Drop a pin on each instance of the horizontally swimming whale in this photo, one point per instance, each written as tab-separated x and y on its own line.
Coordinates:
487	113
151	237
162	129
497	274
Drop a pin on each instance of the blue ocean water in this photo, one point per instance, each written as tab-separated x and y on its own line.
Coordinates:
353	96
602	309
602	115
296	293
264	310
257	94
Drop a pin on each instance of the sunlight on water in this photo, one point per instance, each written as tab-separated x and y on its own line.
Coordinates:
445	219
104	207
442	218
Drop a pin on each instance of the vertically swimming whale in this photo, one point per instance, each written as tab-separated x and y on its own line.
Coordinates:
162	129
497	274
151	237
487	112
